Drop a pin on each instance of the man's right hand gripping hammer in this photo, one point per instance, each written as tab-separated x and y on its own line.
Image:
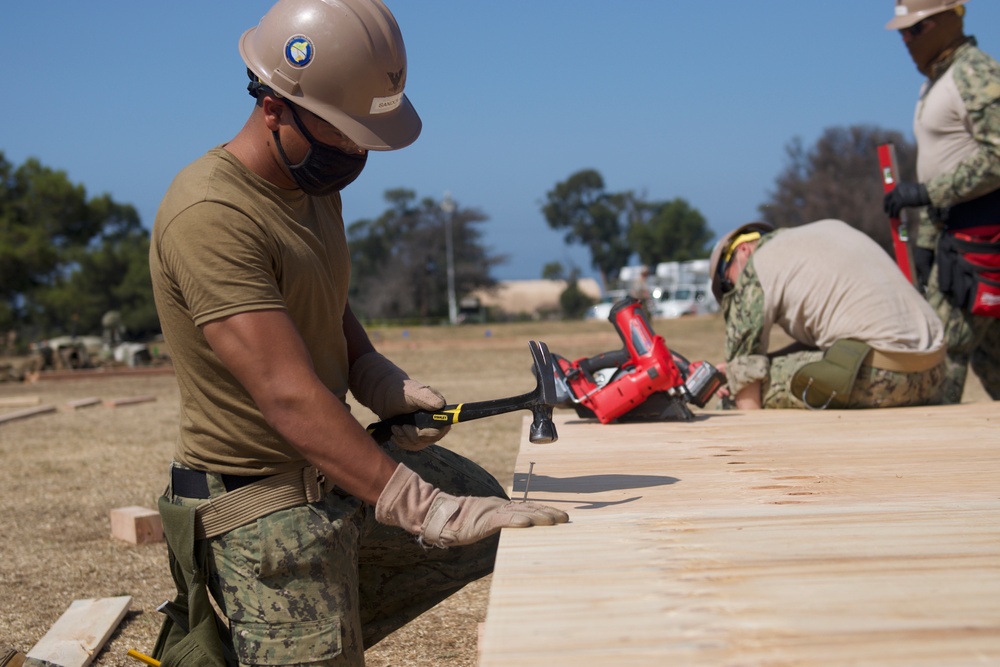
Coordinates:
443	520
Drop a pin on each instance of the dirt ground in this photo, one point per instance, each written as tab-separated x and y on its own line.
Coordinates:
63	472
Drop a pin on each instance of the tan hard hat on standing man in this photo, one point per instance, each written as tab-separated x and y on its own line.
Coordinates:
911	12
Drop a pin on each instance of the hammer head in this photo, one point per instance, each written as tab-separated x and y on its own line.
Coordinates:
543	429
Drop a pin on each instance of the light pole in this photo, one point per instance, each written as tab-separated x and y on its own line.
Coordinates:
448	207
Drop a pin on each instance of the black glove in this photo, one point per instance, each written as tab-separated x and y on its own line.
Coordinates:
903	196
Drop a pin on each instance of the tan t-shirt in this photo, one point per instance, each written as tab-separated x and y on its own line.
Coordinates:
826	281
225	241
942	128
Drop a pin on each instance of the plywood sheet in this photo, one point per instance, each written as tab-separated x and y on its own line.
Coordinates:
768	538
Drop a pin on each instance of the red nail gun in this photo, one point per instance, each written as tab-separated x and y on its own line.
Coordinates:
643	381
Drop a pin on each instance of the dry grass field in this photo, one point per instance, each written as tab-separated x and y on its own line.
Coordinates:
63	472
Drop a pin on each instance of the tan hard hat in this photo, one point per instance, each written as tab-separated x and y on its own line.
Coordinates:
723	244
343	60
912	12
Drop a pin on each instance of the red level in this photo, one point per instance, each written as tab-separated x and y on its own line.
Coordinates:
887	163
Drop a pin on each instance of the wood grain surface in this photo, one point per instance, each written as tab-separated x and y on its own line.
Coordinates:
774	538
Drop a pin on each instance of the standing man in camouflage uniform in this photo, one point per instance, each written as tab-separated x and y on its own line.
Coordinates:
315	540
864	337
957	127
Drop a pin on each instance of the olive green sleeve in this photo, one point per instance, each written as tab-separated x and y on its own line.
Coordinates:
743	309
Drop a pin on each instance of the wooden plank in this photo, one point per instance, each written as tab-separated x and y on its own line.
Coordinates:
128	400
27	412
81	631
82	403
101	373
769	538
19	401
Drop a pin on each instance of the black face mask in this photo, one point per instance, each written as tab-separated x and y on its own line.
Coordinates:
325	169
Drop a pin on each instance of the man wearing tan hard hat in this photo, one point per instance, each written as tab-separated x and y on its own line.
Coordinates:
863	337
314	540
957	192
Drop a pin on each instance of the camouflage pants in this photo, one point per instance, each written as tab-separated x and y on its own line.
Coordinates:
874	387
972	340
318	584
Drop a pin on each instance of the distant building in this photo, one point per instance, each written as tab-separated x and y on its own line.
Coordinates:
531	298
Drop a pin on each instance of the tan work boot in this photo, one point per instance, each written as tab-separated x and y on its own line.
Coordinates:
11	658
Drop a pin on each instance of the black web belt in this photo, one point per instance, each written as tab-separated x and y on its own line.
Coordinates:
188	483
977	212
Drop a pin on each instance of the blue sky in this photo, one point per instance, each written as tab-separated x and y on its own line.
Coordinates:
669	99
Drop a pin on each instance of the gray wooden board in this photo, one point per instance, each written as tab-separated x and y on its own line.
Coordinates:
757	539
26	413
81	631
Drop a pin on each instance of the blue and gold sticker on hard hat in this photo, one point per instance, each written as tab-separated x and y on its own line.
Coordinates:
299	51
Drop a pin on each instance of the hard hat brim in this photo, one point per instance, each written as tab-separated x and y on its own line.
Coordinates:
902	22
377	132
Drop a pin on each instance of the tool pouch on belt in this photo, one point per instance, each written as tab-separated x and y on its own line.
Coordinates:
191	634
827	383
969	269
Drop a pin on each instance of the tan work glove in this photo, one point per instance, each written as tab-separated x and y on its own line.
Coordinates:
385	389
443	520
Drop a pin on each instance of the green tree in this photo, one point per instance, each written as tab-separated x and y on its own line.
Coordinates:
111	273
838	177
592	217
56	250
42	215
573	301
553	271
669	231
399	260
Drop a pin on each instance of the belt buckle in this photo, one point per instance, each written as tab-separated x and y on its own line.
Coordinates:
313	483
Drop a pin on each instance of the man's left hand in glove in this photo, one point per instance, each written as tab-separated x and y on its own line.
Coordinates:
385	389
905	195
443	520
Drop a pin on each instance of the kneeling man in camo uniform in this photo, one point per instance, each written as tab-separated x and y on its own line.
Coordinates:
864	337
